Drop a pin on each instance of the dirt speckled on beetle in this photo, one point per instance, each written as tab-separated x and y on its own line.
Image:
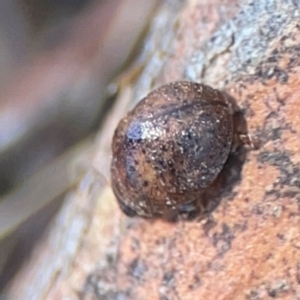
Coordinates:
176	152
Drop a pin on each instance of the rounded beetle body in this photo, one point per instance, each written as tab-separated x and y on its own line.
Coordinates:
170	148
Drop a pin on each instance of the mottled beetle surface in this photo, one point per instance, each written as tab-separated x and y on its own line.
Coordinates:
170	148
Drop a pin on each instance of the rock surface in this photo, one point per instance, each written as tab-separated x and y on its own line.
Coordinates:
249	246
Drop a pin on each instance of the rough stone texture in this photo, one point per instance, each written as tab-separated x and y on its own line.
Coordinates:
249	246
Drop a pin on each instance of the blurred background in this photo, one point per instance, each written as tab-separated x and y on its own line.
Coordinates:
58	59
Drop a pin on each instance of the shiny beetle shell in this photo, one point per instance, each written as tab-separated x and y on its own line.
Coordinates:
170	148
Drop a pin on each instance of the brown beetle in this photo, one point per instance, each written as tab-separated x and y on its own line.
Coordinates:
170	148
